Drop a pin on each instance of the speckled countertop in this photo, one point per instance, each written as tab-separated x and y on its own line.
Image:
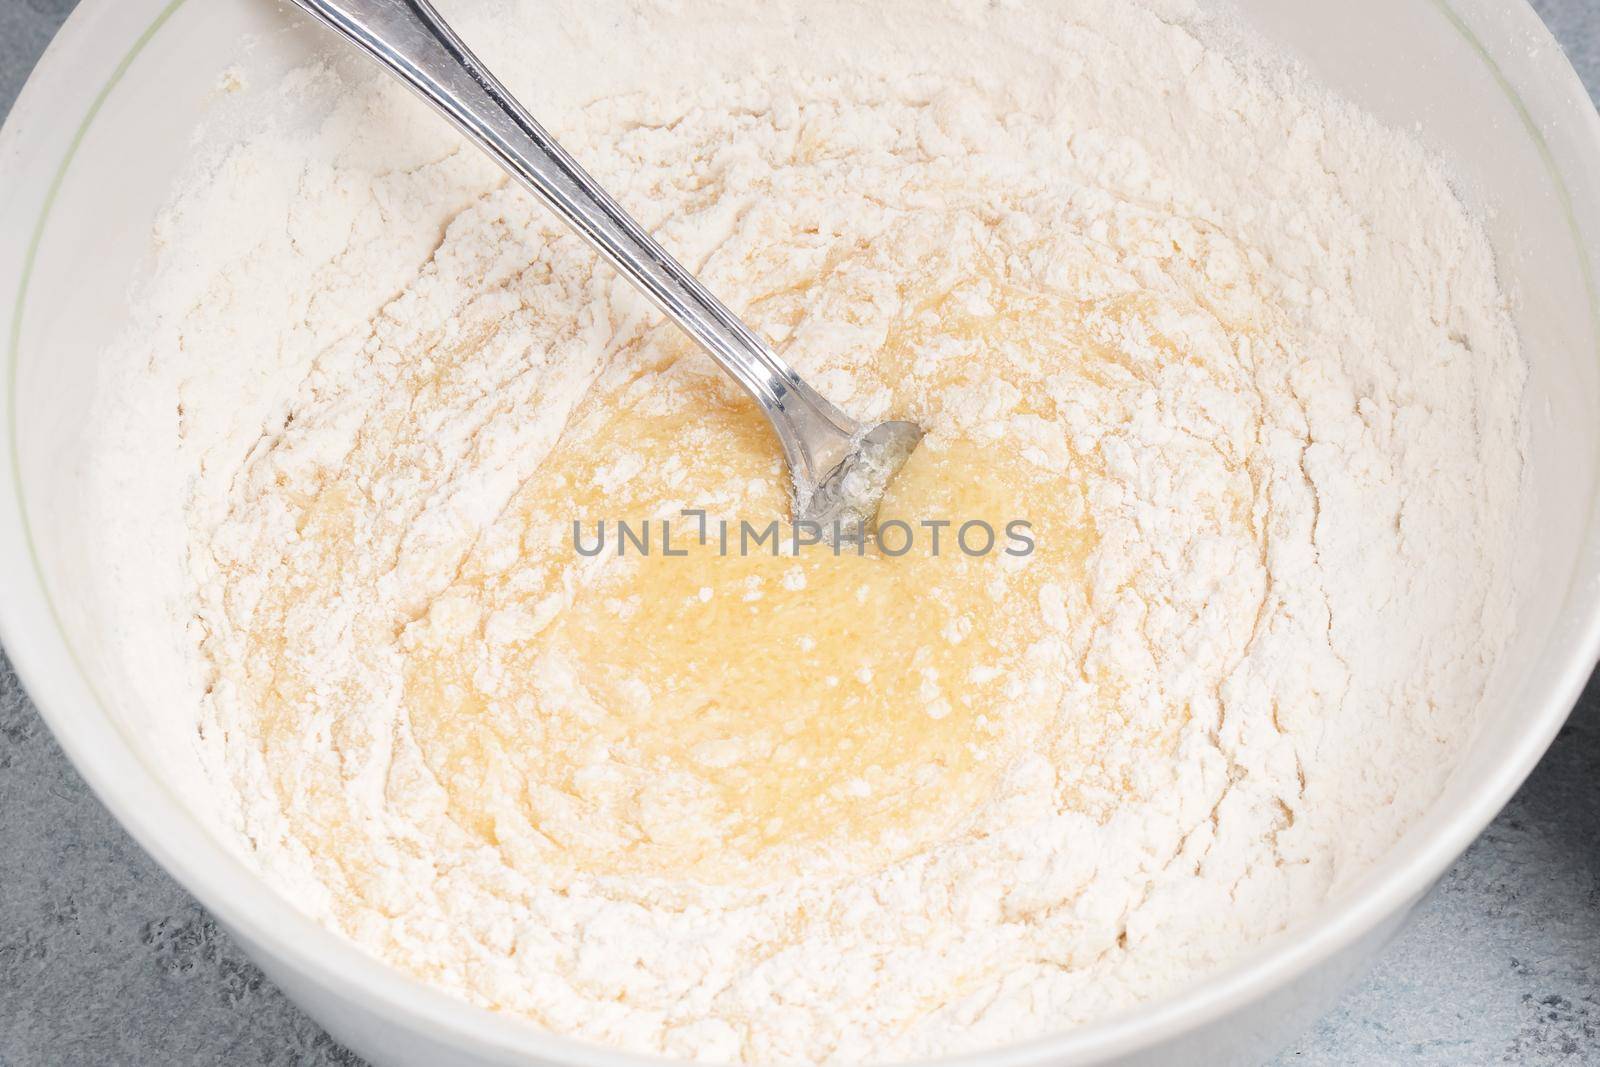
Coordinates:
105	960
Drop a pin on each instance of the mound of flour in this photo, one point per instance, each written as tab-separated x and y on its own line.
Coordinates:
1301	417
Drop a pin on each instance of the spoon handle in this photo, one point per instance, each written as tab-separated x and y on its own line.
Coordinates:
412	41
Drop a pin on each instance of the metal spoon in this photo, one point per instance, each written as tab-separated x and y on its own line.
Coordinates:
840	467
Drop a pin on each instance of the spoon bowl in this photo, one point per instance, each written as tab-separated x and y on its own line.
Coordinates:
845	502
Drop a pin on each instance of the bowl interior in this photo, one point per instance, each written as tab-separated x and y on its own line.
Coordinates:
1480	79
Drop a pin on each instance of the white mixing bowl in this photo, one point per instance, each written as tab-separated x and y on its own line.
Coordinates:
86	160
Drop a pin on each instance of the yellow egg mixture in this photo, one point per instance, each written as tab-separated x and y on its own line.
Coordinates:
743	698
745	714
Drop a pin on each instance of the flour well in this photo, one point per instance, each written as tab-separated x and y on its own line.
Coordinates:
1235	350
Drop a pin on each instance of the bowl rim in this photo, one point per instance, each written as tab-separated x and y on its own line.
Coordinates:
95	35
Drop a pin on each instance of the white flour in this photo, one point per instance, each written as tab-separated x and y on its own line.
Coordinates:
1279	360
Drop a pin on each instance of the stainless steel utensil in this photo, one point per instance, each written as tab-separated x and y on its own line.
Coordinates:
840	467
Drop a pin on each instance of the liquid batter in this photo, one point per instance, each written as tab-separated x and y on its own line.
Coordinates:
737	713
839	709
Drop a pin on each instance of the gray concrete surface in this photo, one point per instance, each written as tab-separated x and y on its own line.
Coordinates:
104	960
